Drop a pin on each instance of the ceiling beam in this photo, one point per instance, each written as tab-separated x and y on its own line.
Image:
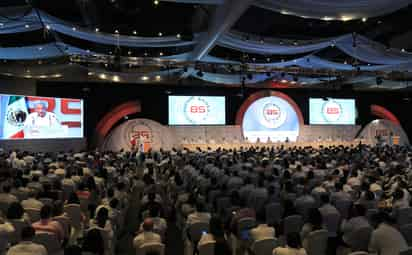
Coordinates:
89	13
224	18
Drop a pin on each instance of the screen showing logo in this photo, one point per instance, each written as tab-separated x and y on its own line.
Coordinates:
141	133
197	110
332	111
273	116
270	119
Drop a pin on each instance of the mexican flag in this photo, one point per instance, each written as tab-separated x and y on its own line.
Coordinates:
16	114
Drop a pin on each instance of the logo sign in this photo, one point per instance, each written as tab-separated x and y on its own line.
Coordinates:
273	116
141	133
16	117
196	110
331	111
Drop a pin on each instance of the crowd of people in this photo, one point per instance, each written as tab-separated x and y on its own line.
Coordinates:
296	201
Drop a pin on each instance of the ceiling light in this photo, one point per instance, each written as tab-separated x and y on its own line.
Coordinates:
268	59
145	54
160	34
47	27
156	2
116	31
102	76
145	78
284	81
158	77
43	76
97	29
403	50
1	24
27	76
346	18
134	32
326	18
161	53
90	73
129	52
57	75
116	78
73	28
178	36
26	26
364	19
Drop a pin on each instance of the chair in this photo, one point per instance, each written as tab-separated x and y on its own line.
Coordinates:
196	230
273	213
360	239
316	243
49	241
404	216
46	201
343	206
222	203
65	223
159	248
245	224
370	213
292	224
264	246
332	223
406	231
4	206
406	252
75	215
18	227
33	213
207	248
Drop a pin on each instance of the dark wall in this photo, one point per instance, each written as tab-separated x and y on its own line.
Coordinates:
102	97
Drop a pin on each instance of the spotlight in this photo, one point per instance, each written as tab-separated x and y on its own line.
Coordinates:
199	73
156	2
145	78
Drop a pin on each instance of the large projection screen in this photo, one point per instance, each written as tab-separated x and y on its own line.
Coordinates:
197	110
332	111
32	117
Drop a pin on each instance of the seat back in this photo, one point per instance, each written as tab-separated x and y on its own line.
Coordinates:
222	203
316	243
264	246
292	224
360	239
4	206
46	201
245	224
343	206
332	222
33	213
404	216
406	231
18	227
196	230
159	248
48	240
406	252
273	213
74	213
207	248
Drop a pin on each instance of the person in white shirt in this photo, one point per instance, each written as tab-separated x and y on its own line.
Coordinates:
386	239
262	231
159	224
32	202
26	246
147	236
41	123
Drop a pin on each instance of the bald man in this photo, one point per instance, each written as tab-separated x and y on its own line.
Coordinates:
147	235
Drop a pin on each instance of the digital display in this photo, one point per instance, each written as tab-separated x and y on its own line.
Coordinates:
270	119
197	110
332	111
32	117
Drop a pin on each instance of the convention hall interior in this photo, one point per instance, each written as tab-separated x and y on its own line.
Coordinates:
205	127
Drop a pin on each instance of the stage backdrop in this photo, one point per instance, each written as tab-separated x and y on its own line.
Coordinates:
387	130
150	133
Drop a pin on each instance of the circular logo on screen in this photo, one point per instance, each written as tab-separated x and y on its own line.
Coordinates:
16	117
273	116
331	111
196	110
